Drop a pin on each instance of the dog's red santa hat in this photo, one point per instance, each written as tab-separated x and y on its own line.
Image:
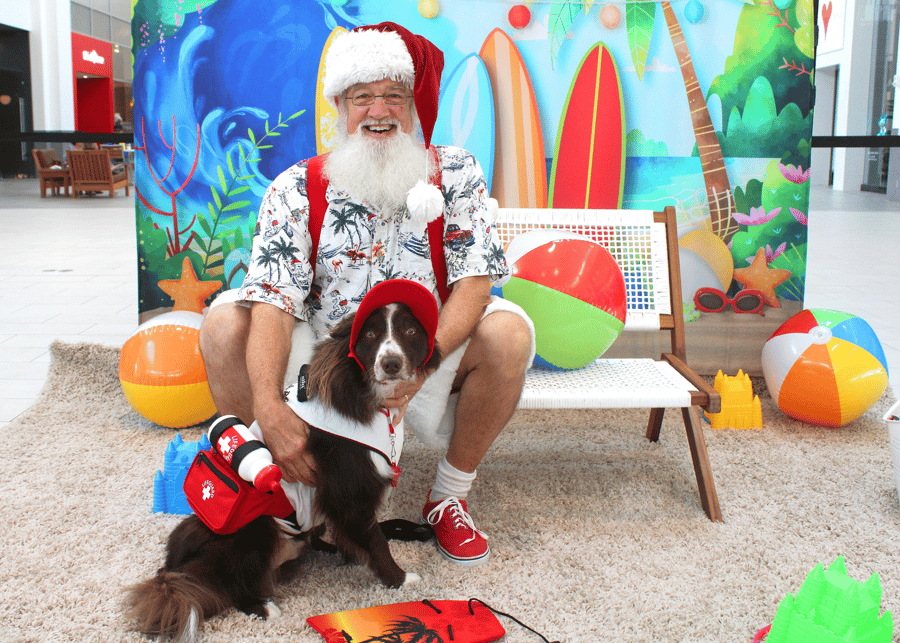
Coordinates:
404	291
387	50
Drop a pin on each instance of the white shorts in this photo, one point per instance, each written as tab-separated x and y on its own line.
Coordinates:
430	415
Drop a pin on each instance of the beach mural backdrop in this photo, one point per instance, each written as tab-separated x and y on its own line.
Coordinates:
703	105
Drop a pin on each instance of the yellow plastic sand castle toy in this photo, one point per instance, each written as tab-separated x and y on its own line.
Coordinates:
740	408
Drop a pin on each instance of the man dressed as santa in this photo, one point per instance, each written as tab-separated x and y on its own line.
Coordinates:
380	194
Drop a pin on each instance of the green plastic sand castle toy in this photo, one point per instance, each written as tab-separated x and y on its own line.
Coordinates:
832	608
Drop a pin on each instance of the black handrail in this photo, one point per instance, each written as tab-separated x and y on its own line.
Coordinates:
128	137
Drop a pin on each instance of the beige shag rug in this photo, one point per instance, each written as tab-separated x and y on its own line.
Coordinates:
597	535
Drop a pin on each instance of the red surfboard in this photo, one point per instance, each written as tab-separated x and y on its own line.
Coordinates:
589	158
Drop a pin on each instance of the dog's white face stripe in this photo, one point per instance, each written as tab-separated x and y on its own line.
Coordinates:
390	347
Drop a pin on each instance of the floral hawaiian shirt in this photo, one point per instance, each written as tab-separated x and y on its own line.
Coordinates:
361	246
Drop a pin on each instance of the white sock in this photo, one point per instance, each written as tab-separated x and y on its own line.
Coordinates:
450	481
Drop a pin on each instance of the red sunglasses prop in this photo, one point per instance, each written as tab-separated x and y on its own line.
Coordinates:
713	300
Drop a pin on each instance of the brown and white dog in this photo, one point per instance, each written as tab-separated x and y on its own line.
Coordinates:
352	371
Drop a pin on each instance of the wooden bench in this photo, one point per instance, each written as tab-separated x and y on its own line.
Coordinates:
52	173
645	246
91	171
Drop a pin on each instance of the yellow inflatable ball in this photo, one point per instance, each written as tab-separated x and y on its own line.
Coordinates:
162	372
429	8
712	250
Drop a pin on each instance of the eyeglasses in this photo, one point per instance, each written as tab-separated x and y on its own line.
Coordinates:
713	300
363	99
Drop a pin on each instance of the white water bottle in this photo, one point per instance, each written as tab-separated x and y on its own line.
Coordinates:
248	457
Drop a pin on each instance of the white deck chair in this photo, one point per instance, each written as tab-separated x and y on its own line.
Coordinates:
645	246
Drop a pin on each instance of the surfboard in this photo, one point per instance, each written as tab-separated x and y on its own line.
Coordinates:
520	167
466	113
588	168
326	113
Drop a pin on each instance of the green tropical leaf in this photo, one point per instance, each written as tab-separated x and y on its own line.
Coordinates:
222	182
235	206
216	197
251	136
199	241
204	224
230	164
562	15
295	115
639	19
263	147
229	220
241	188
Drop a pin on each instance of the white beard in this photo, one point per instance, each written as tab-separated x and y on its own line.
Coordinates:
379	171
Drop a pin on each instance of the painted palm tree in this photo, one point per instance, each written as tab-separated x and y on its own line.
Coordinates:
718	187
640	19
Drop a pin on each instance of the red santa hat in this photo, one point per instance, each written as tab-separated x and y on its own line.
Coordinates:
387	50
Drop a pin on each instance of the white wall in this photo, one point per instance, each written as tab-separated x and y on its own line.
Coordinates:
853	91
52	92
16	13
823	123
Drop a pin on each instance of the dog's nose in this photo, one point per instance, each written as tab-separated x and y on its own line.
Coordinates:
391	364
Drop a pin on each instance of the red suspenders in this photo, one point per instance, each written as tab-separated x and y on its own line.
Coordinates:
316	187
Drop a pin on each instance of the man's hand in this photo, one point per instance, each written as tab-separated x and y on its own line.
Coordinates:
286	435
402	394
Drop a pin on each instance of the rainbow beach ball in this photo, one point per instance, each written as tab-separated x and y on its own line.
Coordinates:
162	372
825	367
573	291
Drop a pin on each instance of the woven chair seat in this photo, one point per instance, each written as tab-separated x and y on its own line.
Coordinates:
607	384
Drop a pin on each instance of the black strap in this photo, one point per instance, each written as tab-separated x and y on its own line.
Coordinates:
243	450
220	426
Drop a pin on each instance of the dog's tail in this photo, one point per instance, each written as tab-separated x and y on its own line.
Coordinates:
172	604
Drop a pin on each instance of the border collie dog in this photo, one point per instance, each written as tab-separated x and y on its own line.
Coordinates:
205	573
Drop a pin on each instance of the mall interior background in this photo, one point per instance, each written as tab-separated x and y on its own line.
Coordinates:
52	79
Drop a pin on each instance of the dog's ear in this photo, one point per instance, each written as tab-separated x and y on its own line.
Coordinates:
343	328
433	362
337	380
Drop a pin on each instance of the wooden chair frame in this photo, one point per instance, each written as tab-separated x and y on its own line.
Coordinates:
50	177
91	171
648	240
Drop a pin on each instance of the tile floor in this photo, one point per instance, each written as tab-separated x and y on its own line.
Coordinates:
68	271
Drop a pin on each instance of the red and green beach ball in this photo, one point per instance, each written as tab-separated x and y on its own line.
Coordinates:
825	367
573	291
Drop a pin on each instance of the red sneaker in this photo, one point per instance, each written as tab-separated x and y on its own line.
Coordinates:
458	539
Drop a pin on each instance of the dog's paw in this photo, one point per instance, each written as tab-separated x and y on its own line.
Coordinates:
410	579
272	610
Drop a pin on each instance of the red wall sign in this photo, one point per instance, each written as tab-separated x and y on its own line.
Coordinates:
93	95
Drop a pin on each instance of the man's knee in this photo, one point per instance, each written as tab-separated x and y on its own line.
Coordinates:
505	341
223	332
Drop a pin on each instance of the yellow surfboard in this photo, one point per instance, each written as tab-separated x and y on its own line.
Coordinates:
326	113
520	167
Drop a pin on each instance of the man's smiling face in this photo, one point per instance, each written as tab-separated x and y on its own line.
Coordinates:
379	120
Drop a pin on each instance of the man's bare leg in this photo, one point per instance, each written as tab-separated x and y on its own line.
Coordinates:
223	345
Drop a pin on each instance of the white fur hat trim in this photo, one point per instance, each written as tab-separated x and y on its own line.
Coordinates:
366	57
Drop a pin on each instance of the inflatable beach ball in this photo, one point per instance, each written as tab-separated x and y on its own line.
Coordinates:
825	367
573	291
162	373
